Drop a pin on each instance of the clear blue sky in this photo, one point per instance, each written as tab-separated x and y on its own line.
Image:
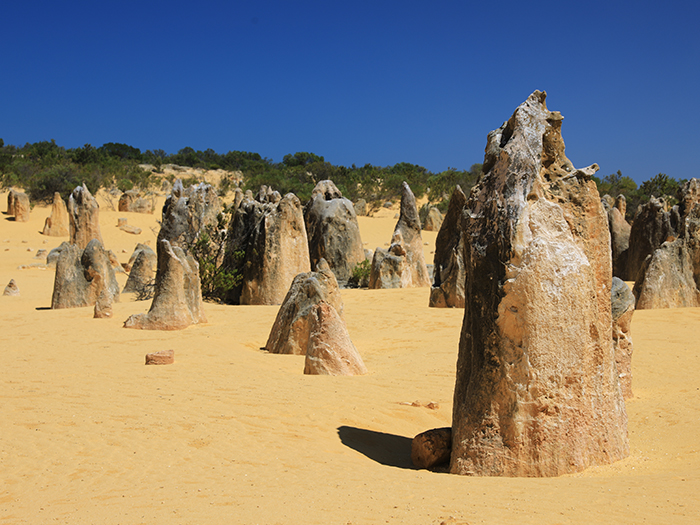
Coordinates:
359	82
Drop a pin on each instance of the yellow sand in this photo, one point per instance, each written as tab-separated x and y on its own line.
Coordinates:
231	434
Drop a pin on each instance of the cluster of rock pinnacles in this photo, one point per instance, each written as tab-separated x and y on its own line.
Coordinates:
533	255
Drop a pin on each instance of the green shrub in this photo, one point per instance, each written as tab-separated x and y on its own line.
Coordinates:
360	274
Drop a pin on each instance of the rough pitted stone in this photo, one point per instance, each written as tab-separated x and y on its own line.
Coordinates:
177	299
81	275
84	217
187	211
11	201
11	289
103	304
666	279
622	302
607	201
267	245
448	262
360	208
20	206
164	357
52	257
332	230
292	327
133	201
537	392
406	242
142	266
330	350
688	196
432	448
653	225
433	220
57	224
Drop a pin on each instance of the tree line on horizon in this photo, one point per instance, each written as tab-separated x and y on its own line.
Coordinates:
42	168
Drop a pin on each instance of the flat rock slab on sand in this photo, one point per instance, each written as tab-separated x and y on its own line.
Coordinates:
231	434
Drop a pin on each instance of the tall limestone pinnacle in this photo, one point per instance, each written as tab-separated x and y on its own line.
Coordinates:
537	392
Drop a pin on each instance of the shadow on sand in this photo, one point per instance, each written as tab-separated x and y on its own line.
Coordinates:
388	449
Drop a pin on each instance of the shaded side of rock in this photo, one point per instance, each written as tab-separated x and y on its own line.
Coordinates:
537	390
619	239
448	262
333	231
360	208
292	327
57	224
432	448
330	350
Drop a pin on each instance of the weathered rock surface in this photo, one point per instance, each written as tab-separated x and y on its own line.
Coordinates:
360	208
20	206
432	448
56	224
54	254
433	220
103	304
164	357
11	289
81	275
666	279
83	217
133	201
622	302
537	390
187	211
407	243
11	201
653	225
330	350
333	231
177	299
292	327
268	246
142	266
448	263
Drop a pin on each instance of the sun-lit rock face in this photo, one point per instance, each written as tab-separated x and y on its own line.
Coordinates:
537	390
84	217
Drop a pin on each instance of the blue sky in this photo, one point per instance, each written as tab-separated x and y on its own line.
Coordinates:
358	82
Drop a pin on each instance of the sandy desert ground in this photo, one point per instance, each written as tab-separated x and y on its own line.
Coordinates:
231	434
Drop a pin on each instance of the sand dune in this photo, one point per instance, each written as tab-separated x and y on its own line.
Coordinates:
231	434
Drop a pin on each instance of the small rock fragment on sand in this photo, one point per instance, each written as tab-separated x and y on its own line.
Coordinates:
164	357
11	288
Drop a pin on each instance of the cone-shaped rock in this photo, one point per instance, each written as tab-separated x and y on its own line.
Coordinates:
267	245
291	330
177	300
403	265
81	275
57	224
448	273
84	217
537	391
11	289
333	231
330	350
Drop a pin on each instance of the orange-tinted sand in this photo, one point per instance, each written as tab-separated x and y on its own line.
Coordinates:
231	434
